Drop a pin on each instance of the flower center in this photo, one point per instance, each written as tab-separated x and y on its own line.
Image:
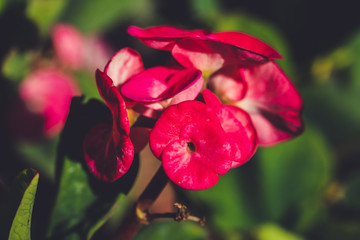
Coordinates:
205	75
191	147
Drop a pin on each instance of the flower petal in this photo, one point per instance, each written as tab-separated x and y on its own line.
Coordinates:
246	42
123	65
199	54
247	143
107	147
237	126
191	123
160	84
210	56
273	103
107	158
162	37
114	101
186	169
228	84
189	93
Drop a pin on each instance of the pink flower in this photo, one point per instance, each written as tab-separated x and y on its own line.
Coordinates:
239	69
107	147
77	50
155	88
193	147
267	95
46	93
206	51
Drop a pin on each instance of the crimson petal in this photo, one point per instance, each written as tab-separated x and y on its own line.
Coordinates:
247	42
107	148
160	83
237	126
273	103
162	37
189	140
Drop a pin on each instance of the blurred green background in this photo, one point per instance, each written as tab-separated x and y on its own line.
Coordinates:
307	188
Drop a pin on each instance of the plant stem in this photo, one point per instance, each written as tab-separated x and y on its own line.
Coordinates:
137	215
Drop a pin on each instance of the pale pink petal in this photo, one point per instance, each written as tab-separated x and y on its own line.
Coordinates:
199	54
228	84
189	93
123	65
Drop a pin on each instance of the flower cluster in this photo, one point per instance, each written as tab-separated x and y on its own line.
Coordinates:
226	97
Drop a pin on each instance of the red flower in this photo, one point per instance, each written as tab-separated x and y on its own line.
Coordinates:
193	147
206	51
227	62
107	147
267	95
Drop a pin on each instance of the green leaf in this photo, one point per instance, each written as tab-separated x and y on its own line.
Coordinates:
19	206
16	65
103	218
271	231
40	155
352	194
281	183
87	84
73	199
83	204
295	174
232	201
335	110
3	4
207	10
78	212
44	12
97	16
172	230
